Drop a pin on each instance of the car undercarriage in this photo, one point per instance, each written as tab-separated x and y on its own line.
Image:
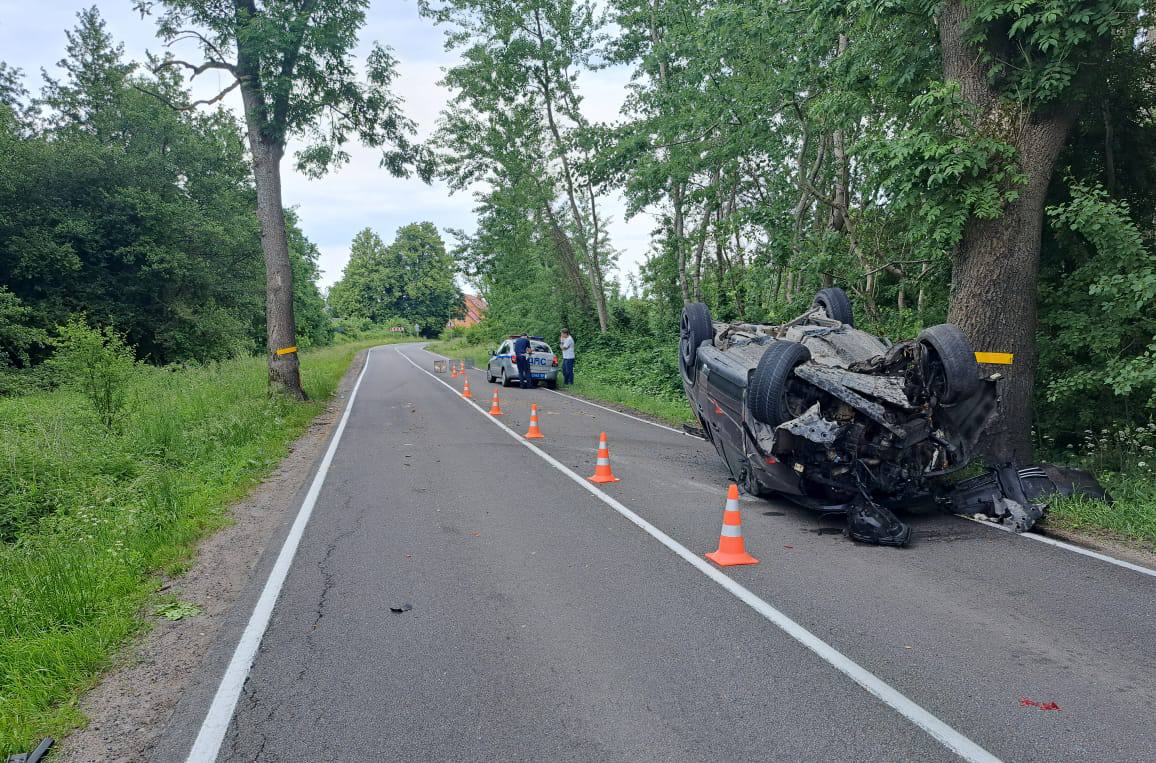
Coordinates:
840	420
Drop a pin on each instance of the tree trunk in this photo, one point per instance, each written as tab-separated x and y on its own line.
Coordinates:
280	324
996	264
994	288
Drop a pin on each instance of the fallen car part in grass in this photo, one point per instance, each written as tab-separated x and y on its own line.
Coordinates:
1018	498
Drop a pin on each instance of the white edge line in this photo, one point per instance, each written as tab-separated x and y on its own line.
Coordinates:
1067	546
944	734
212	733
1030	536
596	405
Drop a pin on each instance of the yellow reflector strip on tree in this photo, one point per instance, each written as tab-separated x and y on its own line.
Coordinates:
1000	358
287	350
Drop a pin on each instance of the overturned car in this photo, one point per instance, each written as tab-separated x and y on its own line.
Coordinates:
840	420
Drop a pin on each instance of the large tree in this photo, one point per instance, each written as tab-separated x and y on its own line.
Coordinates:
411	279
292	61
1024	70
116	206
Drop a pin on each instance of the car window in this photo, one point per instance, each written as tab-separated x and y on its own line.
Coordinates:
540	346
505	348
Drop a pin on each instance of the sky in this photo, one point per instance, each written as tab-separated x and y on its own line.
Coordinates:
359	195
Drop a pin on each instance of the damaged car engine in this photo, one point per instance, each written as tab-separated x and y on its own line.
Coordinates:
841	420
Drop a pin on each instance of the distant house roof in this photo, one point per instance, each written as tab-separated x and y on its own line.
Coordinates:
475	311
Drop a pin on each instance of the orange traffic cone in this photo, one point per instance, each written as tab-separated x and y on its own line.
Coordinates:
466	390
495	409
454	370
462	369
602	471
731	549
533	433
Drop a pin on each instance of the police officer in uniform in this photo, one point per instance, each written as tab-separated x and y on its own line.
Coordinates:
522	358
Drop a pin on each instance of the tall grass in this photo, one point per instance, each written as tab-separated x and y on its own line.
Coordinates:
88	516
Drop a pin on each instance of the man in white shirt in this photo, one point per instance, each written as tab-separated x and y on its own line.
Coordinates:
567	343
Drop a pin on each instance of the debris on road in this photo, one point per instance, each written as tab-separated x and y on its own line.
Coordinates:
177	610
401	608
36	755
1025	702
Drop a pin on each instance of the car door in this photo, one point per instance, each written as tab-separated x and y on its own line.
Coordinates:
498	361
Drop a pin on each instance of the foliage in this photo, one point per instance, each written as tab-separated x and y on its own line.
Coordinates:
294	63
1099	317
412	280
87	517
98	364
116	206
17	336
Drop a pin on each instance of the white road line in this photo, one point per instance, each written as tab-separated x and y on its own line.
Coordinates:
596	405
1030	536
1069	547
946	735
212	733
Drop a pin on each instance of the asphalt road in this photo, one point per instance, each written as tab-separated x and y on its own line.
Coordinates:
546	626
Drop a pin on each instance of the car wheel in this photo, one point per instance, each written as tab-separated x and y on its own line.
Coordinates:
952	371
505	381
551	384
774	393
694	329
836	304
489	375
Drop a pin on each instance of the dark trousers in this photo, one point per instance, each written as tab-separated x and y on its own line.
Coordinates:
524	380
567	370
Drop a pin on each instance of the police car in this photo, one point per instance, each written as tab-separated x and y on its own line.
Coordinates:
543	363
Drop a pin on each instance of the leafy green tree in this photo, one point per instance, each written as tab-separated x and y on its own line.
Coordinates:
136	215
517	87
291	62
411	279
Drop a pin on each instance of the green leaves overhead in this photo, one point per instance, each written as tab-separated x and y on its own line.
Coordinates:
295	63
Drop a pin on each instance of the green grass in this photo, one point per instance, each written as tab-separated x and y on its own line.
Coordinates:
592	381
88	518
1132	515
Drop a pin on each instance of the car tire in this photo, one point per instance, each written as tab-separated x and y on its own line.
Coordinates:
767	391
952	353
694	329
504	380
836	304
551	384
489	375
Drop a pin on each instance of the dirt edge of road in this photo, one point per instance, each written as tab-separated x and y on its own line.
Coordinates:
128	708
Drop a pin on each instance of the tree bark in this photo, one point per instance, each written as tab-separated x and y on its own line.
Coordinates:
996	264
280	324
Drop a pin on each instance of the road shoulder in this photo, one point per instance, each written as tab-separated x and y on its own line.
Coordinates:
129	707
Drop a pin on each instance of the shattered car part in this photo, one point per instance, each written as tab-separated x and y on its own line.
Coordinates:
835	418
813	426
1017	498
868	522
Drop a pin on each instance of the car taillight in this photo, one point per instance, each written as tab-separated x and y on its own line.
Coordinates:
553	360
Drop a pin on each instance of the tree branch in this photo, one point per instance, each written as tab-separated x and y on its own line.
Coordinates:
171	62
189	106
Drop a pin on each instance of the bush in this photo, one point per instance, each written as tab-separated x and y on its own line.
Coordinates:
97	363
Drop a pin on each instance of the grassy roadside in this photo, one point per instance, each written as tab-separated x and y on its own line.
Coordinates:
587	383
89	517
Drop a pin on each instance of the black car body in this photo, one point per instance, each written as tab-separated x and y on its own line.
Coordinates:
832	417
